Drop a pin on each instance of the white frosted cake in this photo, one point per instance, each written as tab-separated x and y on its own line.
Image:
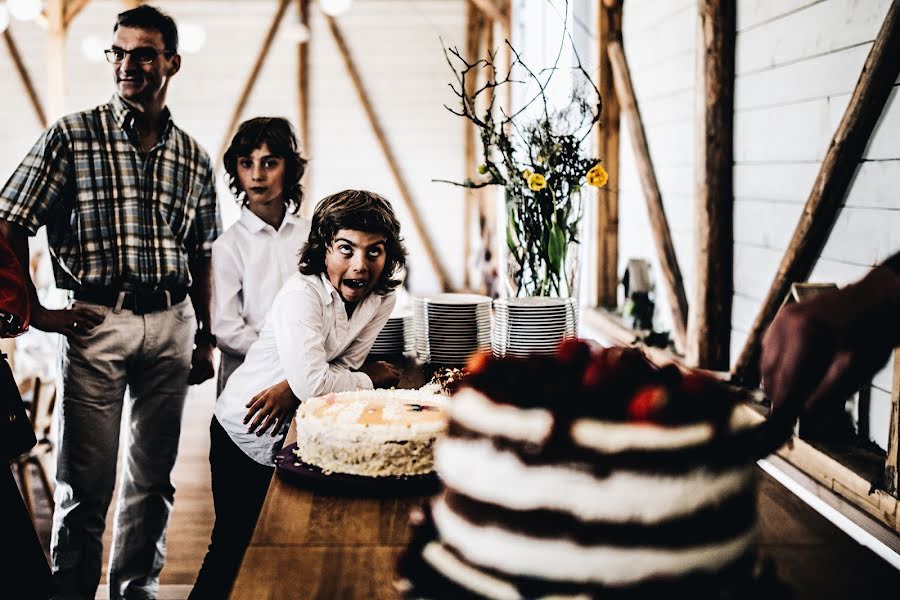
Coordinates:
586	476
373	433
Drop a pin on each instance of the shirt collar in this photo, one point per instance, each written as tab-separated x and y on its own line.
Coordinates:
124	115
254	224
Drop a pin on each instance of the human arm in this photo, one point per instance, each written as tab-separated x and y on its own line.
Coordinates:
204	231
35	192
69	322
823	349
201	292
233	334
382	374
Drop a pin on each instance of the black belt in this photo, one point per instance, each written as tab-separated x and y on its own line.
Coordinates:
139	302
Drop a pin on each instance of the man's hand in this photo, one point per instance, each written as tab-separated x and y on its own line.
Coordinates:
383	374
201	364
273	407
70	322
821	350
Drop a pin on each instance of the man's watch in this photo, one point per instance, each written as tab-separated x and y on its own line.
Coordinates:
204	337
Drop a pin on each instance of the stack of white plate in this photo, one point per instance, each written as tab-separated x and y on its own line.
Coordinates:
452	327
395	338
525	326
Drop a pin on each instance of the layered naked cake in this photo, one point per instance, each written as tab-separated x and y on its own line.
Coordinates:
586	475
373	433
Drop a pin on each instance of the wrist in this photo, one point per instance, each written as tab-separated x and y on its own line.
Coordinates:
204	337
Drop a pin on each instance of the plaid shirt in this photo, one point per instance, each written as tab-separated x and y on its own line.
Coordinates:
114	215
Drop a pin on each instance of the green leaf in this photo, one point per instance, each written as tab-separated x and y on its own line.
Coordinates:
556	249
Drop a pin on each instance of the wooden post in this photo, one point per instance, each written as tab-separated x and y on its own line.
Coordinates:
892	461
72	10
492	10
475	26
709	323
303	96
56	58
251	79
609	17
831	184
663	238
25	78
380	136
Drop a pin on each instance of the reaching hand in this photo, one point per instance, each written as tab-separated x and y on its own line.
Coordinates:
70	322
823	349
274	407
383	374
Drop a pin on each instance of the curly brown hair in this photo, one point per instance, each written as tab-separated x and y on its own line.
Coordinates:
278	134
361	211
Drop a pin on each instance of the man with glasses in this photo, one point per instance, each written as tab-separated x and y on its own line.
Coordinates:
129	203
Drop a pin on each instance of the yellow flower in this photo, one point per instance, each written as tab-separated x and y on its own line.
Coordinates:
536	182
597	176
526	174
482	168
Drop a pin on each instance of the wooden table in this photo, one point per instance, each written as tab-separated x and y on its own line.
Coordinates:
309	544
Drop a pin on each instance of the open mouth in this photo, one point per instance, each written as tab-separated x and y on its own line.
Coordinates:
258	190
356	284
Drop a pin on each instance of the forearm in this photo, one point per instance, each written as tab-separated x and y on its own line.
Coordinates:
201	290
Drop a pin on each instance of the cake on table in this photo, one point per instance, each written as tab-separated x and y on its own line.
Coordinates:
371	433
586	475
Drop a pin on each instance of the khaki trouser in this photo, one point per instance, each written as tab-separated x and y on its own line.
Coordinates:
150	355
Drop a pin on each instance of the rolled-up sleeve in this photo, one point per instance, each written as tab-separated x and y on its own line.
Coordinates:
299	322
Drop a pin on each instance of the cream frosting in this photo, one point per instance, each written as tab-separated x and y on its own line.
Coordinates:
563	560
477	469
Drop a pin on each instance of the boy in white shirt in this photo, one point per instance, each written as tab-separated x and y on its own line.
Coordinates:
253	259
314	341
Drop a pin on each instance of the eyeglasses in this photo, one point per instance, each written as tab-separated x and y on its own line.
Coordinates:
143	55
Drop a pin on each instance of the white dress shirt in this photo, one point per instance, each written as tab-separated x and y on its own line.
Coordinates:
308	340
250	263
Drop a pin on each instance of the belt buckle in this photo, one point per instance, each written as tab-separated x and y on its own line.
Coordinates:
119	302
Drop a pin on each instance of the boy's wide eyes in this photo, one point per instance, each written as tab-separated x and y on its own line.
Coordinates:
372	253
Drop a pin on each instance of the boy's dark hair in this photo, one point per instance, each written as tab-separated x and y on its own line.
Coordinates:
361	211
278	135
148	17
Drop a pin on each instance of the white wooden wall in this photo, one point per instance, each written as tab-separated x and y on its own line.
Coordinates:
797	63
397	48
660	42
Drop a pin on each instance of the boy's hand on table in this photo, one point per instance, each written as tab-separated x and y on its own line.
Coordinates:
273	407
383	374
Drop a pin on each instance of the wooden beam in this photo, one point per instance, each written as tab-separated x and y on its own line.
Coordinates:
252	77
25	78
475	26
663	238
830	187
303	97
892	460
380	136
609	24
56	58
493	11
72	10
709	322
